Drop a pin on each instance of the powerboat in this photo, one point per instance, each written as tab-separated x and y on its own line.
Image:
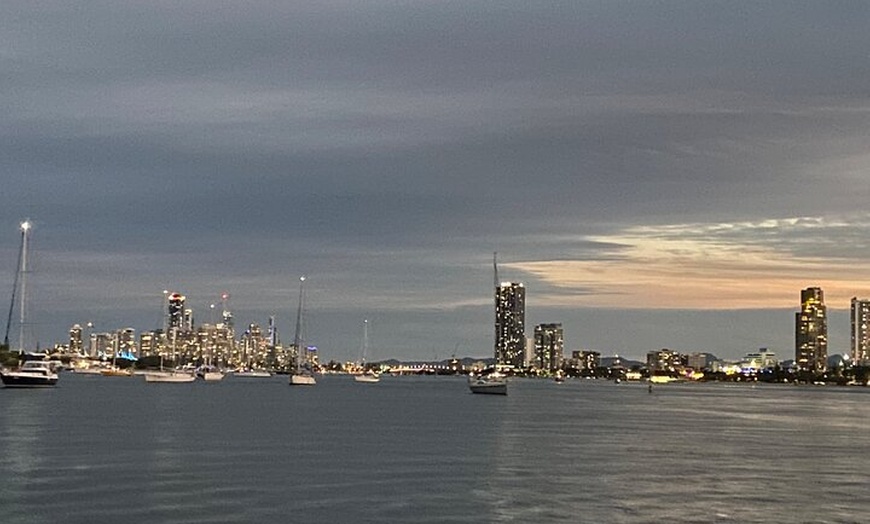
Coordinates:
31	374
492	383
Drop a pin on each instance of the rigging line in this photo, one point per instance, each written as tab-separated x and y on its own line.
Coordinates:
14	290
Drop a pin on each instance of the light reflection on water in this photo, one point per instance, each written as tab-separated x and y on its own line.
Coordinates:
424	449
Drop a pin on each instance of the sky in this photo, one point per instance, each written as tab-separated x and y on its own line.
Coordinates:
658	174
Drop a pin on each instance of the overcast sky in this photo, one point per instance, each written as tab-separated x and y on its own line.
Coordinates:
658	174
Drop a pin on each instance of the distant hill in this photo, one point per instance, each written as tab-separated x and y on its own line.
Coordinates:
607	362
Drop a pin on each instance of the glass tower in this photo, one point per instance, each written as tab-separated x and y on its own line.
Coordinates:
860	322
811	331
510	320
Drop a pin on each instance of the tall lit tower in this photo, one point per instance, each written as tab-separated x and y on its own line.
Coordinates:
510	320
811	331
175	311
860	322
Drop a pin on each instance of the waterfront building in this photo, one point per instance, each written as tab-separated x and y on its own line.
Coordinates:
102	344
585	359
510	319
151	342
700	361
75	339
125	342
529	352
761	359
664	361
549	349
860	335
811	331
252	348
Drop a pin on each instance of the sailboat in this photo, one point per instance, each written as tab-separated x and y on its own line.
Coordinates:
367	376
490	381
31	373
115	371
208	372
301	375
173	376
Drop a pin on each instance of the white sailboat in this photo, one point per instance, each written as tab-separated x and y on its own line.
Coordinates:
31	373
490	381
173	376
302	375
367	376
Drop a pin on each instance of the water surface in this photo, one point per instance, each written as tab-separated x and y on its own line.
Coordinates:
424	449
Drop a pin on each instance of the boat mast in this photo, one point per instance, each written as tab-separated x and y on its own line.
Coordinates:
297	338
495	284
25	235
365	347
14	287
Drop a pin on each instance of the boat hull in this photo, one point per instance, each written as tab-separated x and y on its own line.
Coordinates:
367	379
14	379
116	373
489	389
495	384
302	380
252	374
212	376
169	377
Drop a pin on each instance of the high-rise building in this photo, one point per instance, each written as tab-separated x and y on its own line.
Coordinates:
860	315
75	339
586	359
175	312
125	342
510	320
548	347
811	331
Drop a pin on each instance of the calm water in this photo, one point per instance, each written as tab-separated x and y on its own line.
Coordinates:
424	449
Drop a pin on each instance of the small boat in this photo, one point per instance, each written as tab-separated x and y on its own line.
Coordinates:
369	377
492	383
559	377
302	379
31	374
173	376
210	374
252	373
169	377
116	372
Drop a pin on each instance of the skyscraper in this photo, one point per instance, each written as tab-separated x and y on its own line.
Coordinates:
860	317
510	320
75	339
811	331
549	346
175	312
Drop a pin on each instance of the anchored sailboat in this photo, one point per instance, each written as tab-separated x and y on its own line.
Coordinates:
490	381
367	376
302	375
31	373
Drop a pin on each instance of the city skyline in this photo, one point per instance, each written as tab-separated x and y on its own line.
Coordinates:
661	175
